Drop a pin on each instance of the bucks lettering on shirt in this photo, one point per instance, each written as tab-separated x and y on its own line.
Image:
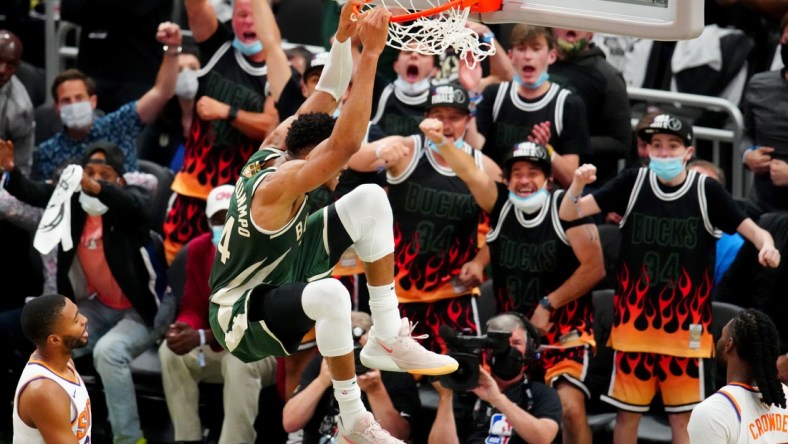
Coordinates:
530	257
736	414
248	256
435	227
399	114
666	262
72	384
215	150
505	119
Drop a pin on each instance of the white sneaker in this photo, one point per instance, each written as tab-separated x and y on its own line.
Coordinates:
404	354
365	431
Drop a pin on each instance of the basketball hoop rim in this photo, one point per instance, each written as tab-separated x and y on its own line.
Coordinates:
460	4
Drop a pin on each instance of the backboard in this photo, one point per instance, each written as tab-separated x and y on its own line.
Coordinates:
651	19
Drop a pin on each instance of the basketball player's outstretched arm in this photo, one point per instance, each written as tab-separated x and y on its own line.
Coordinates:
321	101
331	155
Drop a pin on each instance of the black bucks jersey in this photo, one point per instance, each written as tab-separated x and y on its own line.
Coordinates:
399	114
435	227
666	263
530	257
505	119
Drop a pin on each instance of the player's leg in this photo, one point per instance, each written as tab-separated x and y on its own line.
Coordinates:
680	392
566	371
365	215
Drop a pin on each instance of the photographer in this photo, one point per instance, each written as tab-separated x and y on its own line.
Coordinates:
513	408
391	397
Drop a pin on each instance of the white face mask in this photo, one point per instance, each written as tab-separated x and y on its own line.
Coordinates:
92	205
529	204
187	83
412	89
77	115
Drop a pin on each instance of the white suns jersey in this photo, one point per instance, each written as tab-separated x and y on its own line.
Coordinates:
75	388
736	414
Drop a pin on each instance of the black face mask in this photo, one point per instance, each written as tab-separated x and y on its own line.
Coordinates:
784	54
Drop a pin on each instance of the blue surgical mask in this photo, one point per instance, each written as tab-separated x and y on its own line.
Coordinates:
666	168
216	231
248	49
459	143
539	82
529	204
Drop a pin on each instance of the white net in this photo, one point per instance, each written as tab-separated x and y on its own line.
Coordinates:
433	35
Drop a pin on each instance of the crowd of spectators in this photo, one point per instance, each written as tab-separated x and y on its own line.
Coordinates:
493	174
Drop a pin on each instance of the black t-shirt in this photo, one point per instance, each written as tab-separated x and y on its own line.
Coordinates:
505	119
479	423
292	97
400	386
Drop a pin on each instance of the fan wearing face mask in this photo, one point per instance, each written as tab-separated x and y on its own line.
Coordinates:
108	270
163	140
671	221
190	354
76	100
533	108
541	267
435	216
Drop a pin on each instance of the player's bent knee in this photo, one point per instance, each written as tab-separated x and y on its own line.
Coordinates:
326	298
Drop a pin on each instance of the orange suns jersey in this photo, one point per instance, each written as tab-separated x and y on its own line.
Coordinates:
664	282
435	227
531	257
81	420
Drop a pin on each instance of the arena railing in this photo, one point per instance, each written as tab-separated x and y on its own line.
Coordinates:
733	133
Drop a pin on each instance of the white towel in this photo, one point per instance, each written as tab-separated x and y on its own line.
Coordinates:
55	225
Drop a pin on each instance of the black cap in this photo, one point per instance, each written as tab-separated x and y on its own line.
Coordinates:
449	94
668	124
530	152
114	155
318	61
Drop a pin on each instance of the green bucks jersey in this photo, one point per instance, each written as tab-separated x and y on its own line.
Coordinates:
248	256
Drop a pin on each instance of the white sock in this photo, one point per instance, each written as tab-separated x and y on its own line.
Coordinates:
385	312
348	396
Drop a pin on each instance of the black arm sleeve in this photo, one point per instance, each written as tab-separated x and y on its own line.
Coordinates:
28	191
129	206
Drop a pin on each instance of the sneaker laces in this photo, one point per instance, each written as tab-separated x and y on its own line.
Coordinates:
413	342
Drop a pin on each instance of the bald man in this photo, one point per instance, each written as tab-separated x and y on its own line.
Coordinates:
16	109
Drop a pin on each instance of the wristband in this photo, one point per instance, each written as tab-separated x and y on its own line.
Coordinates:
201	332
488	37
232	114
545	303
172	50
572	197
378	150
